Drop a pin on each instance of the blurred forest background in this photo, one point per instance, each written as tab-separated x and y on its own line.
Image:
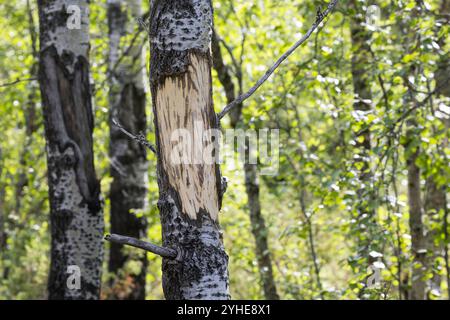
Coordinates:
359	207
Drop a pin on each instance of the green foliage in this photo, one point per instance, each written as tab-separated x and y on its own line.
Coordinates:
310	99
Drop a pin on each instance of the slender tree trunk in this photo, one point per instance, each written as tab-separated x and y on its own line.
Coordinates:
258	224
365	220
436	201
190	191
2	219
442	77
311	243
128	159
260	232
30	113
2	210
443	70
76	216
3	215
418	244
412	152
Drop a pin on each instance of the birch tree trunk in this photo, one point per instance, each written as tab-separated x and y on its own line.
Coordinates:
76	216
360	68
190	190
128	159
258	224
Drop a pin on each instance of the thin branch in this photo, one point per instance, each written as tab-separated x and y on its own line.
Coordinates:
417	105
319	18
405	115
380	81
140	138
236	65
147	246
16	81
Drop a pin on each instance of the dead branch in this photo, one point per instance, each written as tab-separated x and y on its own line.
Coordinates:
147	246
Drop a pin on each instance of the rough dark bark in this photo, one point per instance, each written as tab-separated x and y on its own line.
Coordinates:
260	232
76	216
258	225
189	194
129	164
360	68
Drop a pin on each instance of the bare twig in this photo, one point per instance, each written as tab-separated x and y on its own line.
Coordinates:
319	18
16	81
140	138
147	246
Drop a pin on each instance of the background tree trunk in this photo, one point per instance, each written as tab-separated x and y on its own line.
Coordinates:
30	112
190	192
443	70
2	211
435	203
418	246
128	158
412	152
259	230
360	69
76	208
436	200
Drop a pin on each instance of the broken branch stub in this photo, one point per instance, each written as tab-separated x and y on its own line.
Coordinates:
147	246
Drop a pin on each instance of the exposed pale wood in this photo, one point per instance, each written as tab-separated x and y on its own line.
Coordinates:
182	104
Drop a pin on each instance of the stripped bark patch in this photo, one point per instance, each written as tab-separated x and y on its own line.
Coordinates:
183	105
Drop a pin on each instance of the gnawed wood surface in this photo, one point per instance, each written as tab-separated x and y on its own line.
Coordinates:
183	104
